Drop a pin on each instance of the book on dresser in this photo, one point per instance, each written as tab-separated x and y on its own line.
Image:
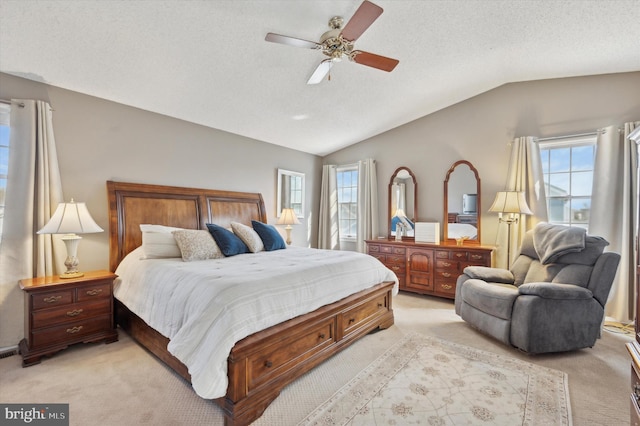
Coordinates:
429	268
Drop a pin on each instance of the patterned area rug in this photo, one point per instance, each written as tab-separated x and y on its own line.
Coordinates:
425	380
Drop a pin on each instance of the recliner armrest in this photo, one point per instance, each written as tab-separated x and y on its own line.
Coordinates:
484	273
555	291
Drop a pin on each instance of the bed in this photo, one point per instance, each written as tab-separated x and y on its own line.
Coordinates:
260	365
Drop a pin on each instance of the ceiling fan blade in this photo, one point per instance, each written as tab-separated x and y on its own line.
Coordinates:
375	61
292	41
320	72
361	20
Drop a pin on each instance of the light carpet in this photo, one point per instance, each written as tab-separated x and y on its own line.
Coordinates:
428	380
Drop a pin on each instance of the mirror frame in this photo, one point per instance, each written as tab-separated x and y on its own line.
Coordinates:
445	235
415	200
282	174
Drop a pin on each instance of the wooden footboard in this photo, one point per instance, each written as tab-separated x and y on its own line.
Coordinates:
262	364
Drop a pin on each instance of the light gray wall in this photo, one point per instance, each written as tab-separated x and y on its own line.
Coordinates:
99	140
480	130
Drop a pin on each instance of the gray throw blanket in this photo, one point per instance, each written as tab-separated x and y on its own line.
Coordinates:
553	241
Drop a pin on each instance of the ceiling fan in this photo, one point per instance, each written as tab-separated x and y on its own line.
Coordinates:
338	42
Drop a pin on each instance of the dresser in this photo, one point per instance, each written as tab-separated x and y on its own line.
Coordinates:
60	312
429	268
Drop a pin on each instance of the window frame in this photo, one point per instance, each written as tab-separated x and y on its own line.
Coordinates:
568	200
353	221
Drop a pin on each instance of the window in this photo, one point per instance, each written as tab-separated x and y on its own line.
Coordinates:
348	201
4	156
567	166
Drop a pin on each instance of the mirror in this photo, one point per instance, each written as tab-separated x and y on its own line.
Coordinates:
290	192
403	202
462	203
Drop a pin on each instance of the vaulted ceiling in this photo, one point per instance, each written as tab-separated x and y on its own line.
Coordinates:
207	62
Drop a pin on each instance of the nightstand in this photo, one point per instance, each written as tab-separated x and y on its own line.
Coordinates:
61	312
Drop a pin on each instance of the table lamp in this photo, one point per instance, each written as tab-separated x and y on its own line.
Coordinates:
288	217
71	219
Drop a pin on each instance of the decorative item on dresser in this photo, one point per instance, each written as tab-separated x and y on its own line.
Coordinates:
60	312
428	268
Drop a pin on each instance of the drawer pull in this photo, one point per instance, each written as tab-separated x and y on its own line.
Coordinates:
321	336
380	305
74	313
352	320
74	329
447	286
395	268
446	264
94	292
52	299
459	255
476	256
446	274
268	364
636	392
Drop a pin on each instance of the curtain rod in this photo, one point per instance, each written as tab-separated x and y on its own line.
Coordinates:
553	138
4	101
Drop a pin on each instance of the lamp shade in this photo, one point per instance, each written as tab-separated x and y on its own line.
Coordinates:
71	218
288	217
510	202
400	213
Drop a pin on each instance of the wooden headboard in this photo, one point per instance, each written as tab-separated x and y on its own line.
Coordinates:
132	204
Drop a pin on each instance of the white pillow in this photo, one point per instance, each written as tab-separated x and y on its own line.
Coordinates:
248	236
158	242
197	244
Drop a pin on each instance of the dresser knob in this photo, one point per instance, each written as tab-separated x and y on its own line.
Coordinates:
321	335
447	286
74	329
94	292
352	320
74	313
446	274
268	364
52	299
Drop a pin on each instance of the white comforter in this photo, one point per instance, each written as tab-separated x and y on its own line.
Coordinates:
205	307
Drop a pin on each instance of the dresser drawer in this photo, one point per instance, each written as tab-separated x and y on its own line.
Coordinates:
265	366
446	264
49	299
445	287
397	269
395	259
70	313
419	282
93	292
70	332
355	317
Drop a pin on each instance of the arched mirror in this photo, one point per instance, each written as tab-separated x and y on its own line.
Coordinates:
403	203
462	203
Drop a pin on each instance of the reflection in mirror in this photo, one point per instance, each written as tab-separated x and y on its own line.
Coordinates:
402	203
290	192
462	203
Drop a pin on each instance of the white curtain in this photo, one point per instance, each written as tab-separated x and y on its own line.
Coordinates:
525	174
33	192
367	203
613	212
328	226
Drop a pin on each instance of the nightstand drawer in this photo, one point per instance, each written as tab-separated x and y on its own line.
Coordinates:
50	299
70	332
93	292
75	312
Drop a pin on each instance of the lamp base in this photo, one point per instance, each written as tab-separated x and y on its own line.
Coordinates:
66	275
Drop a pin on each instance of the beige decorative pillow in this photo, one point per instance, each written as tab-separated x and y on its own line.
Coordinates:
248	236
196	244
158	242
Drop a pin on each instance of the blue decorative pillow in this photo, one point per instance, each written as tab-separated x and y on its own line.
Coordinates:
270	236
229	243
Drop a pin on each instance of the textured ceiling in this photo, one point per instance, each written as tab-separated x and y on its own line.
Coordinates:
207	62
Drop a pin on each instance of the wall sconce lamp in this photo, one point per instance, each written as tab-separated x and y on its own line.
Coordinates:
71	219
514	203
288	217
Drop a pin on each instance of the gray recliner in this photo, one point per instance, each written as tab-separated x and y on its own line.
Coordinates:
553	297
